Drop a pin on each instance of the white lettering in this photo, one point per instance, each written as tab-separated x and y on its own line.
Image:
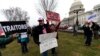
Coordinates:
8	28
14	27
5	29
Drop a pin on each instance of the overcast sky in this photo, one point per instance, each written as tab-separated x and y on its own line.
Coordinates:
30	6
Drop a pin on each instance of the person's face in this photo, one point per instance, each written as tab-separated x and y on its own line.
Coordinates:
52	27
41	22
87	23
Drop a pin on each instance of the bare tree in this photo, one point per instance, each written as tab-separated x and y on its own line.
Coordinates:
16	14
46	5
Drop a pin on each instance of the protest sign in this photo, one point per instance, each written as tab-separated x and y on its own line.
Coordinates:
24	35
11	27
47	41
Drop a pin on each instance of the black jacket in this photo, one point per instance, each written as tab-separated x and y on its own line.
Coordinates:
87	30
95	27
37	31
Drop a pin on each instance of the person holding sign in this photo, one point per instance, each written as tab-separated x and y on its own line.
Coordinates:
4	38
23	40
54	28
88	33
40	29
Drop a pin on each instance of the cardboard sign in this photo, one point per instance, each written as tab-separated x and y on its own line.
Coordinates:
52	16
47	41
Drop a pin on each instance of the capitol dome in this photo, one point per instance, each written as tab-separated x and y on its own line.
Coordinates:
77	5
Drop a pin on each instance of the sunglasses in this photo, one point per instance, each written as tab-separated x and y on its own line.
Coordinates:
40	20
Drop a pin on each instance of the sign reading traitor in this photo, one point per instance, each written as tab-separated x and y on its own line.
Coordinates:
11	27
47	41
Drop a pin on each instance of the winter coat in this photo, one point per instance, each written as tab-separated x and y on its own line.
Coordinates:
87	30
37	31
6	39
22	37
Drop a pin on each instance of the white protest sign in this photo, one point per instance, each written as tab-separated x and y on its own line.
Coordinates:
23	35
47	41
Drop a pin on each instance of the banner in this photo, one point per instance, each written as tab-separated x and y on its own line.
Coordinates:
52	16
92	16
11	27
47	41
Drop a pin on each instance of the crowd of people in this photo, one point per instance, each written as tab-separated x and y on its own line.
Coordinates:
43	29
23	38
90	30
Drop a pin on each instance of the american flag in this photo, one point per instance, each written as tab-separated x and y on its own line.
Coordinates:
1	31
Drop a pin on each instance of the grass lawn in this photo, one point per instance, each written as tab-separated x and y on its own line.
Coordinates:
69	45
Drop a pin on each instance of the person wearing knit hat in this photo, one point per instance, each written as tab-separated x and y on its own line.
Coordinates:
40	19
42	28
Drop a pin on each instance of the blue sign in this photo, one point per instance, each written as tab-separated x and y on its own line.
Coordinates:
92	16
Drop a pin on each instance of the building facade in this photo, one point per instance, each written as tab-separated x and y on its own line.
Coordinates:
77	11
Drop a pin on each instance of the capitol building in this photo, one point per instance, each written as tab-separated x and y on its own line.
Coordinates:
77	11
